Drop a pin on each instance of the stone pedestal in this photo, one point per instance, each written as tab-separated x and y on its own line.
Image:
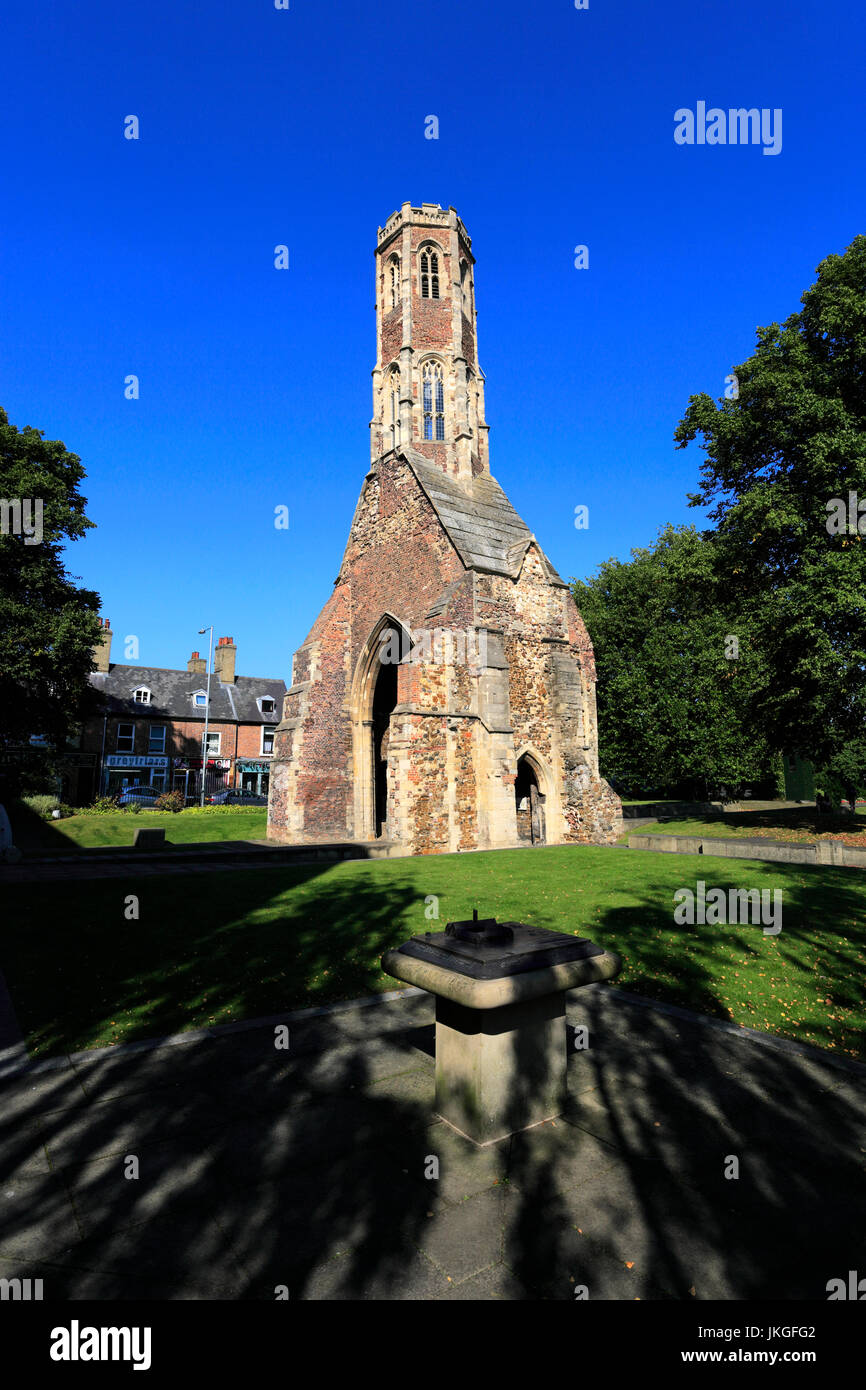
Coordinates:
500	1070
501	1042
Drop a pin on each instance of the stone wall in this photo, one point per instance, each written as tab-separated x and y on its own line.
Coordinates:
458	729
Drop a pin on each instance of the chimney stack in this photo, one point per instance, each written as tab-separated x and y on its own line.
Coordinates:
224	660
197	663
102	651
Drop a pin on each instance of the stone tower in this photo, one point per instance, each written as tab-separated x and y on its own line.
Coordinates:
445	697
428	389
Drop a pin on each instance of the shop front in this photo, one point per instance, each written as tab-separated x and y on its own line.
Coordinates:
134	770
253	776
186	776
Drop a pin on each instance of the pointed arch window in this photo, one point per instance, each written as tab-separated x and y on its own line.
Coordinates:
429	273
433	401
394	395
394	281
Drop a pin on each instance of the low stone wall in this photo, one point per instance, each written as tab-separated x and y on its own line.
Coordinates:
671	810
821	852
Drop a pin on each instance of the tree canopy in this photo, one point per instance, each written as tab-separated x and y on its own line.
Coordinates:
784	458
48	625
675	663
782	570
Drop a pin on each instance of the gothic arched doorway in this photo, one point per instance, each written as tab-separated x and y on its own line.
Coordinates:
530	803
374	696
384	700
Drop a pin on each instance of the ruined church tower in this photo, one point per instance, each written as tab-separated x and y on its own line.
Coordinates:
428	390
445	697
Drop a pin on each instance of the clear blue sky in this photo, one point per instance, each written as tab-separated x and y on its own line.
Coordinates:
306	127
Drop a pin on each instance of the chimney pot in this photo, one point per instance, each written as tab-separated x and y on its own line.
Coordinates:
224	660
102	650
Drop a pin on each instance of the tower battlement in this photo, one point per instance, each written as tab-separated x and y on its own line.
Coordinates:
429	214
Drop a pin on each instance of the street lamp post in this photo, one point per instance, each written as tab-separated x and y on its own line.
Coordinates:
201	631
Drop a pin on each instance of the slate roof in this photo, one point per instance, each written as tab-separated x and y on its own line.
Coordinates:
172	691
481	522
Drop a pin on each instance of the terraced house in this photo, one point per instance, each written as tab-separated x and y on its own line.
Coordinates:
152	723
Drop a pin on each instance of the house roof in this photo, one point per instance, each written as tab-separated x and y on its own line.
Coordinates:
172	692
483	526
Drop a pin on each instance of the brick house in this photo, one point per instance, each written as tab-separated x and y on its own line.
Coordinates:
445	697
150	731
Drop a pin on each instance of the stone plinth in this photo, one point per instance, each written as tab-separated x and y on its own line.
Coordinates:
501	1040
149	837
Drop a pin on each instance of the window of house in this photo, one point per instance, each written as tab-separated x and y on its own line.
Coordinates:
268	738
156	738
200	699
125	738
433	401
268	705
142	695
429	274
212	747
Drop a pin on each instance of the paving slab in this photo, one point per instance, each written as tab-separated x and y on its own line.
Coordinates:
465	1239
311	1168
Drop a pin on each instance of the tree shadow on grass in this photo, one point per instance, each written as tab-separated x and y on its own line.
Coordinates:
723	1167
229	1166
261	1169
131	958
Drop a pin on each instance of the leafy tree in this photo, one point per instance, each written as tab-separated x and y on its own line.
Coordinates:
845	774
781	460
48	626
671	691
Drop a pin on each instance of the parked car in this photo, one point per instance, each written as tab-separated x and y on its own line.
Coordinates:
145	796
233	796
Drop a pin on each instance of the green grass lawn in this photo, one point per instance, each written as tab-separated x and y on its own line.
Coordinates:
212	948
799	824
84	831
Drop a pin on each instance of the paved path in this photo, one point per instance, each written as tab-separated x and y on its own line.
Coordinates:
259	1168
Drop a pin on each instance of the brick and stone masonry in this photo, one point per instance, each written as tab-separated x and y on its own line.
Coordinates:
484	734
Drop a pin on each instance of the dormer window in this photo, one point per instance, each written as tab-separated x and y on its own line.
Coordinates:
267	705
142	695
429	273
199	699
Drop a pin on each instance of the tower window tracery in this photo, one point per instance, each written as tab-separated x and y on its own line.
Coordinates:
429	273
394	281
433	399
394	385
